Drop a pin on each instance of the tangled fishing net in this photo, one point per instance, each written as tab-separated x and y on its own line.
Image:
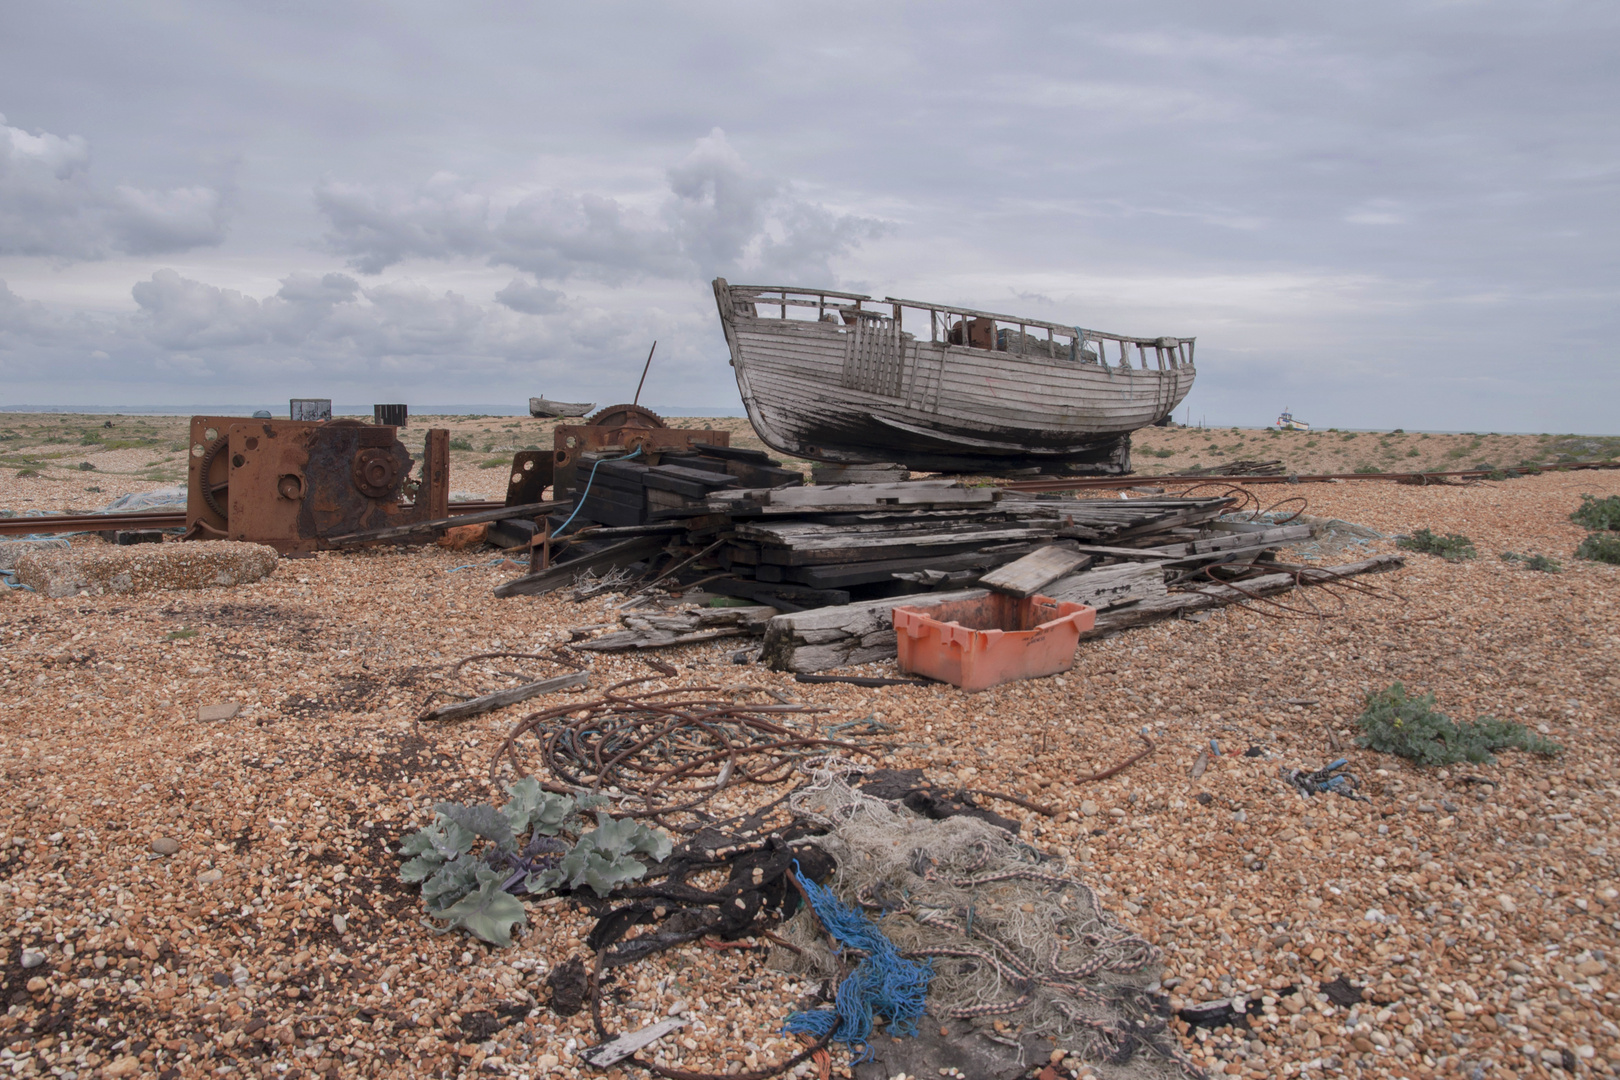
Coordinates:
1008	939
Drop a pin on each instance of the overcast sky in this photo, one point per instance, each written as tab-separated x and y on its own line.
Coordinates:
1380	215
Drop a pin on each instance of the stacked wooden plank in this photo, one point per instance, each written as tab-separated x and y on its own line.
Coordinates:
835	558
616	491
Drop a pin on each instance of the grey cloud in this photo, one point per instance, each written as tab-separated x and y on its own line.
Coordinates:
716	215
327	333
50	206
529	298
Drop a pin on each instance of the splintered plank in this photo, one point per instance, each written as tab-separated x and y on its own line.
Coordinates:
621	554
501	698
1027	576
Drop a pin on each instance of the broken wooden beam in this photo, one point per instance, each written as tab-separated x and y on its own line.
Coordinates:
839	636
1032	573
623	553
394	532
460	710
685	628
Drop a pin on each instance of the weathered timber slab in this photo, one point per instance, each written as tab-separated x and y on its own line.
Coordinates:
502	698
1159	608
393	532
1109	586
838	636
623	553
1028	575
662	631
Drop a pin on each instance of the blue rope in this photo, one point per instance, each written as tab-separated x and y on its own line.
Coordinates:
588	482
883	983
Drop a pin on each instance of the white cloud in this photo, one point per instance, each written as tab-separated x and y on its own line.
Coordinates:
715	215
50	206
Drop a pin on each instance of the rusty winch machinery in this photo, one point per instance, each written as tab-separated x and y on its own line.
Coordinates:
299	484
294	484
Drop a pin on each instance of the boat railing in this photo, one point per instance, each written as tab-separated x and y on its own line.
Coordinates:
978	329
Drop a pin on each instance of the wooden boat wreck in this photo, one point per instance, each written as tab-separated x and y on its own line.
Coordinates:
544	407
837	377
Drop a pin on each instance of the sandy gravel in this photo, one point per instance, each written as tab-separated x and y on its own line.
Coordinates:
1481	916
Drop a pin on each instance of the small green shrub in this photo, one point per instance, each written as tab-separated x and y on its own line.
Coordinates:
28	474
1409	727
1161	453
1600	547
85	466
180	634
1368	469
1598	514
1412	452
494	463
90	438
1532	562
461	444
1453	547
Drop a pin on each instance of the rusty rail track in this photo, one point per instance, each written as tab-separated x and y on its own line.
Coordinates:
164	519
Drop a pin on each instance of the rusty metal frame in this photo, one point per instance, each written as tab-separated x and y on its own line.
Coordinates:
291	484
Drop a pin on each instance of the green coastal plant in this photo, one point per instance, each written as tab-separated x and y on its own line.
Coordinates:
1598	514
1394	722
472	860
1452	547
1600	547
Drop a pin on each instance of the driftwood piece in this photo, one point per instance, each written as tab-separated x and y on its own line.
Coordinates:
1109	586
852	634
460	710
623	553
394	532
1032	573
685	628
1160	608
852	496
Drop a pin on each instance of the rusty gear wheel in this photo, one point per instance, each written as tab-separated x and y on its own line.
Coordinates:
210	493
622	416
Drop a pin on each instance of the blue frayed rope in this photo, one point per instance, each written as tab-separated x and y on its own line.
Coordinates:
589	480
884	982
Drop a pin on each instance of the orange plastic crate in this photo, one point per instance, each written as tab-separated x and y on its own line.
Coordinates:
977	644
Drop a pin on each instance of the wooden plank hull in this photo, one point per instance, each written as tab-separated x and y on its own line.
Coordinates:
816	389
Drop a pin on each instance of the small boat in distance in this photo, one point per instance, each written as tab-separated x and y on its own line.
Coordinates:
1287	422
825	377
542	407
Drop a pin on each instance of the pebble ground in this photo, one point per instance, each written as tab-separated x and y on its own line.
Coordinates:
1477	906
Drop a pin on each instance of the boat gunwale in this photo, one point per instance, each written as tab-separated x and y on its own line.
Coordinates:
1072	330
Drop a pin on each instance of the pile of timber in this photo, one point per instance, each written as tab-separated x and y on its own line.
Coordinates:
619	492
822	566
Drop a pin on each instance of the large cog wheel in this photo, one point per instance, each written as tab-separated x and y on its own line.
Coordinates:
626	416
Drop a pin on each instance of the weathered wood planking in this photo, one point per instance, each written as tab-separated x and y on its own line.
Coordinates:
1028	575
1109	586
852	634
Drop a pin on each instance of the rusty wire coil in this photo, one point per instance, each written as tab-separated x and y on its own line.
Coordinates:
667	750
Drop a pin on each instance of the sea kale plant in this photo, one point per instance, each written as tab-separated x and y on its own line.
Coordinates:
1452	548
1597	514
473	862
1398	723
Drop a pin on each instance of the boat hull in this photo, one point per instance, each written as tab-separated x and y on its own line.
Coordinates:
933	405
548	409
